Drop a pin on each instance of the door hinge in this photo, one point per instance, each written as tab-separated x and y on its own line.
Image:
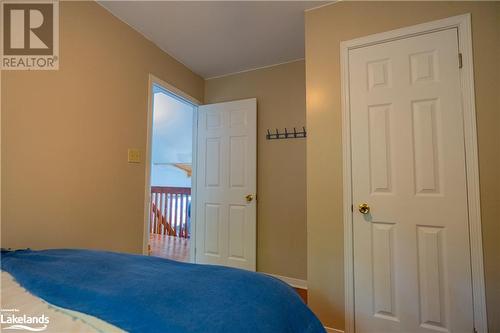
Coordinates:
352	208
474	330
460	62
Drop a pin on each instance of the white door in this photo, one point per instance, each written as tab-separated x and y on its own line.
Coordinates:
226	184
411	251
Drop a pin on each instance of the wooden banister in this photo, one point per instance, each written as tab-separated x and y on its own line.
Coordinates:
175	190
170	211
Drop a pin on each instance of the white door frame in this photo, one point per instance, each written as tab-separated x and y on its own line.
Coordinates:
147	195
463	25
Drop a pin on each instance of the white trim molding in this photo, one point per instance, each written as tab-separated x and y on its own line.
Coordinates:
321	6
332	330
463	25
293	282
254	69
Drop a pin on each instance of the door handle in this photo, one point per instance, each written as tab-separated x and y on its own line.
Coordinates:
364	208
249	197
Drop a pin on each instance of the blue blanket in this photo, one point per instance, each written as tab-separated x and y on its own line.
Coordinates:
148	294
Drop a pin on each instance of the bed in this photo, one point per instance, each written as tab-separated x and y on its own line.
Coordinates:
97	291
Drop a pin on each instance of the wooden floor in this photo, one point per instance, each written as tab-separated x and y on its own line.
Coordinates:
302	293
169	247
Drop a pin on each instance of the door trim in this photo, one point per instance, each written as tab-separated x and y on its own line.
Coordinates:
463	25
147	160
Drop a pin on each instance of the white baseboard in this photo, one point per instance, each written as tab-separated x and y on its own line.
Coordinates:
296	283
332	330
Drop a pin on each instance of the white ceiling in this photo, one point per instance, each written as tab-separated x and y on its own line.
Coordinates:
215	38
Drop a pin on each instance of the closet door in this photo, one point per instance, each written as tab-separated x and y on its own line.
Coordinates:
412	268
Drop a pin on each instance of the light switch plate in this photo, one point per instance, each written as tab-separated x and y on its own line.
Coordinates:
134	156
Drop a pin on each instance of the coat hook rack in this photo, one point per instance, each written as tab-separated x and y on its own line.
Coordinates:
277	135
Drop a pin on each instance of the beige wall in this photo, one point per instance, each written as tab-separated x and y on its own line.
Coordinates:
325	28
280	92
65	177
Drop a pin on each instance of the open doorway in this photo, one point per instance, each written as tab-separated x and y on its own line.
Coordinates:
220	142
171	175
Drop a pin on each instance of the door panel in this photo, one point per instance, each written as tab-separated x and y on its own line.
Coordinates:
380	148
430	275
237	161
384	301
212	230
411	251
237	232
425	146
227	155
213	162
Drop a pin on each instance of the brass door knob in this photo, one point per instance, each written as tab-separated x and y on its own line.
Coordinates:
249	197
364	208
